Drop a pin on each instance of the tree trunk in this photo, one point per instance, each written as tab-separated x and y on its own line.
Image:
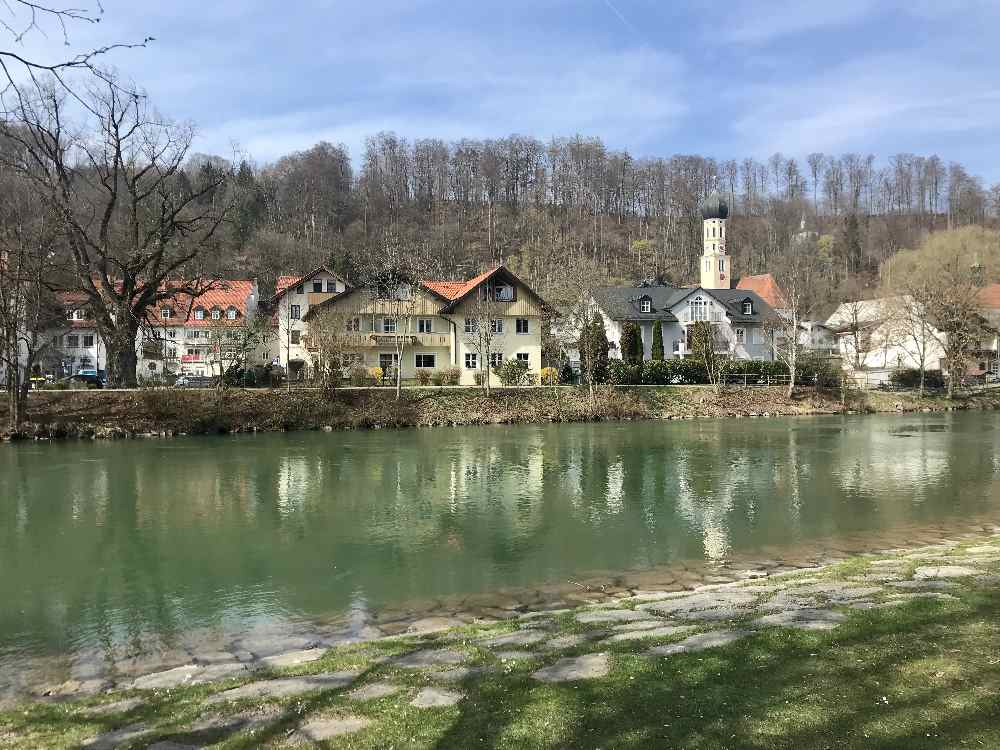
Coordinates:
122	359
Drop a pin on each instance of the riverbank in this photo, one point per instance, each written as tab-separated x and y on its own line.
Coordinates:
167	412
894	649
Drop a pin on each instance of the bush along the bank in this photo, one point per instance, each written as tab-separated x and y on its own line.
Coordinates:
909	378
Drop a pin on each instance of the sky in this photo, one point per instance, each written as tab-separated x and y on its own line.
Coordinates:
727	80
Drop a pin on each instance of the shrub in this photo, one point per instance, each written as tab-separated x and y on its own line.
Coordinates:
438	377
512	372
631	342
423	376
452	376
657	350
550	376
359	376
566	374
908	378
480	377
621	372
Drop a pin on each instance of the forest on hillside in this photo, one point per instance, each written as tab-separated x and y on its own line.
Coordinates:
540	206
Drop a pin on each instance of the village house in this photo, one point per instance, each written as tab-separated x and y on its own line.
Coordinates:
813	336
201	336
439	322
739	315
75	344
293	298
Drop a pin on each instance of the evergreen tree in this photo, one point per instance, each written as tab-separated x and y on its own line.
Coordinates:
657	353
631	342
594	351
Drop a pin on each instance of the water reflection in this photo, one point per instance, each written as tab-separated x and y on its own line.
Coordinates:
104	544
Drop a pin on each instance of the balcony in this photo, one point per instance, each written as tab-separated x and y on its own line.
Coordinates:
428	340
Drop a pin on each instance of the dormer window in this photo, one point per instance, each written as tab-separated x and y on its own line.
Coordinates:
199	313
747	307
231	313
216	313
646	305
698	308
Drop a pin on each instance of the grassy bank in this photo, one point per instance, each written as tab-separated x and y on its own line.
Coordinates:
55	414
909	660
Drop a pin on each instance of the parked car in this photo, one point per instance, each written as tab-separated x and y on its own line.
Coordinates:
37	381
90	378
193	381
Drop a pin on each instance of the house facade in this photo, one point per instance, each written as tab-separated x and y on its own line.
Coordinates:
75	344
443	325
201	336
294	297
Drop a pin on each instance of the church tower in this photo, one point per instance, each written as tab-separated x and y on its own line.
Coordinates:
715	271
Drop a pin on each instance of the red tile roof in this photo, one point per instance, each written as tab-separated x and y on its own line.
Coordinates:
455	290
765	287
989	296
223	295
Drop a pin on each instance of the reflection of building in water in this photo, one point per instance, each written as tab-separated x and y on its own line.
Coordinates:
293	483
705	501
614	495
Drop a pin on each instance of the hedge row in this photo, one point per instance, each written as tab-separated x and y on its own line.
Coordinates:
691	371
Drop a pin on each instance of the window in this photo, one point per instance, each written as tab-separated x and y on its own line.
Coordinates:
295	337
331	286
424	360
496	359
80	314
747	307
171	352
318	286
72	342
166	313
425	325
496	326
471	361
387	361
698	308
216	313
471	325
646	305
722	264
353	325
522	325
300	289
388	325
171	333
741	335
152	366
503	293
295	312
523	357
231	313
88	341
84	362
199	313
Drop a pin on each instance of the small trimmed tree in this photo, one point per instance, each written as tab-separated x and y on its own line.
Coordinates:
705	343
594	351
631	342
657	352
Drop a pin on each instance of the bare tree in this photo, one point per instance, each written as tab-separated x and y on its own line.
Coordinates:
333	342
798	281
706	343
480	329
133	222
389	276
908	325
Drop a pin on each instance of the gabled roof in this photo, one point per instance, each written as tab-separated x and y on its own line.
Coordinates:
622	302
765	287
455	292
285	283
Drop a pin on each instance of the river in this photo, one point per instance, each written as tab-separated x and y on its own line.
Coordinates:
111	551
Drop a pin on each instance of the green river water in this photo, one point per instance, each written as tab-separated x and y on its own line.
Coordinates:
114	548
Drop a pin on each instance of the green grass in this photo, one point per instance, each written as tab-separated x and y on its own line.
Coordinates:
922	675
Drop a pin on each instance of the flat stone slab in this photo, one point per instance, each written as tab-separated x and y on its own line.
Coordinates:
701	601
431	697
170	745
566	641
112	740
293	658
286	687
717	614
118	707
457	675
586	667
517	638
435	658
700	642
803	619
236	722
611	615
923	595
664	632
543	613
928	584
945	571
318	730
985	550
434	624
189	674
629	627
374	691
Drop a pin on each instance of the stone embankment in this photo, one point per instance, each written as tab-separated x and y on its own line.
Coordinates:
434	666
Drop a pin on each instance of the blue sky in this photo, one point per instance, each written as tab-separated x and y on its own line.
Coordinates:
744	77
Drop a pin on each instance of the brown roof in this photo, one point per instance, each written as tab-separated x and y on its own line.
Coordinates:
765	287
284	283
222	296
